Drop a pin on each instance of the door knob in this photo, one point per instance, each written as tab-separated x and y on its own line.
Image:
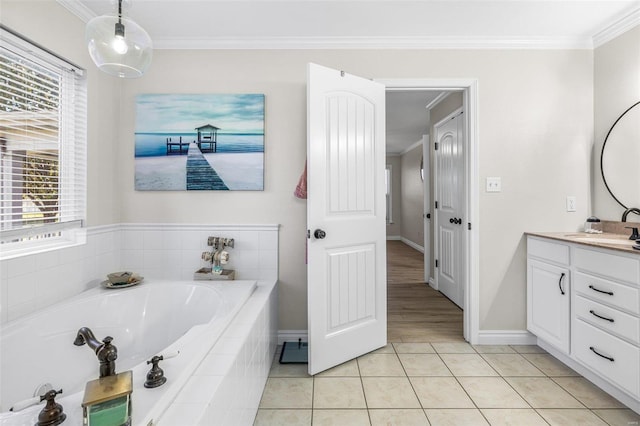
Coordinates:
319	234
452	220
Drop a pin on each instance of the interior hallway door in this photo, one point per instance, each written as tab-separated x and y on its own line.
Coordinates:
346	272
450	196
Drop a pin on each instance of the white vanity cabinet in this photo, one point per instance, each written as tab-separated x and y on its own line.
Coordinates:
606	316
548	296
583	303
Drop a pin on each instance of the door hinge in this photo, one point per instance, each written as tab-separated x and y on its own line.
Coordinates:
436	204
308	233
436	263
436	146
469	226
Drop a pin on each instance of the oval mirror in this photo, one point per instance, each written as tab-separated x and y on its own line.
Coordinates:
620	157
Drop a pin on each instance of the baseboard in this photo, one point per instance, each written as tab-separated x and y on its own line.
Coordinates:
506	337
412	244
394	238
292	336
432	283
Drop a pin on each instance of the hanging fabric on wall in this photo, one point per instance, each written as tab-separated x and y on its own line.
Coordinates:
301	188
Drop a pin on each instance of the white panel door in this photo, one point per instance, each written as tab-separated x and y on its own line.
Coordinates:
450	214
346	293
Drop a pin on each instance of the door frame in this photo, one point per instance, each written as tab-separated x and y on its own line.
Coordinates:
469	88
426	207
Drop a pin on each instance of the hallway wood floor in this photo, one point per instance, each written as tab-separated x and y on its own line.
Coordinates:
415	311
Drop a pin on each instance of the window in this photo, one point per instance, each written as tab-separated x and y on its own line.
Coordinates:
388	193
42	149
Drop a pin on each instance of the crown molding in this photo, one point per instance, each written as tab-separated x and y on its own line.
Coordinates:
618	27
78	9
374	43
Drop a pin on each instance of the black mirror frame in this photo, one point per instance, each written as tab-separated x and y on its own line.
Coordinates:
604	179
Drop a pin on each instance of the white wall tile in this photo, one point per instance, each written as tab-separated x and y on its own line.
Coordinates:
19	265
21	289
132	239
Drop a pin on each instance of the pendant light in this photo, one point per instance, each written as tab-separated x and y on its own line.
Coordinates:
118	45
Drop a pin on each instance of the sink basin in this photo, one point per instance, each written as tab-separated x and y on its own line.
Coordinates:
594	239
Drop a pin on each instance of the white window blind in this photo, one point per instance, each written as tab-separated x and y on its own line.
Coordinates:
43	131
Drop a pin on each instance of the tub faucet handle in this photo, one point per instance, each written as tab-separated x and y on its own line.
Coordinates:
52	413
155	376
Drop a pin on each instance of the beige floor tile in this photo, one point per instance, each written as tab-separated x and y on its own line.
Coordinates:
440	392
389	392
340	418
528	349
388	349
288	370
468	365
542	392
564	417
281	392
283	417
492	392
414	348
405	417
423	365
338	392
380	365
453	348
587	393
617	417
513	417
512	365
458	417
550	365
348	369
494	349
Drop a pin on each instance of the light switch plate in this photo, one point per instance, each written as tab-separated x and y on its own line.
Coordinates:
494	184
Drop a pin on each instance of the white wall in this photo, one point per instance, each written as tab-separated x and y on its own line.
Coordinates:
535	127
617	87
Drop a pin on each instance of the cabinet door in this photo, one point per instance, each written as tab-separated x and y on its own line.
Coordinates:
548	303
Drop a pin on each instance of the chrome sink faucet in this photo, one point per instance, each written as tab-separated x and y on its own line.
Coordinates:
105	351
629	210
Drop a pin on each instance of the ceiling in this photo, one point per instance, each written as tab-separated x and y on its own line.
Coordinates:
367	24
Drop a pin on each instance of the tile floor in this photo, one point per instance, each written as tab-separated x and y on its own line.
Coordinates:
439	384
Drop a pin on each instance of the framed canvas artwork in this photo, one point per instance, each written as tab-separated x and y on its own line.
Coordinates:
199	142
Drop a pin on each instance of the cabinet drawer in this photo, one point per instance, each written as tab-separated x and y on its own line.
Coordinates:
608	292
544	249
622	367
609	319
608	265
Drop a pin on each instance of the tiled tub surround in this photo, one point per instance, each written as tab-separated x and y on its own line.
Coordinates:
228	384
163	251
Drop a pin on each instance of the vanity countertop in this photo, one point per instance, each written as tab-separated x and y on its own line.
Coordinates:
604	240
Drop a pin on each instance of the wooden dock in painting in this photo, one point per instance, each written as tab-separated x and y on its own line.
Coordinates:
177	147
200	174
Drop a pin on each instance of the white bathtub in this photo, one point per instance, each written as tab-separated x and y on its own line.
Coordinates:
152	318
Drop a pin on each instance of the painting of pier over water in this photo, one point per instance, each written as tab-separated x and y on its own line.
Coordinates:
199	142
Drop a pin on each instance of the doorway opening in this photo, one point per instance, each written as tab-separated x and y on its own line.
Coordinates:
416	243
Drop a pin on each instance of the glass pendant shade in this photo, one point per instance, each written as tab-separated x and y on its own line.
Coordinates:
119	46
